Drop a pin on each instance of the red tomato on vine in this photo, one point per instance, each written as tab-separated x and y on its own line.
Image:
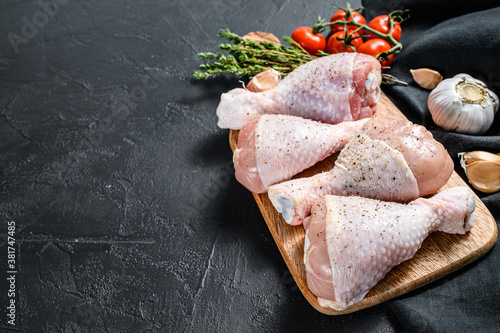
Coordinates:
381	24
341	14
374	47
334	45
311	42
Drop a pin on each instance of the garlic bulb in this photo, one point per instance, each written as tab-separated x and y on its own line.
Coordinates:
463	104
482	170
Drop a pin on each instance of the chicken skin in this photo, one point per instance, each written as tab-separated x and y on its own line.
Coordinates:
330	89
352	242
400	163
273	148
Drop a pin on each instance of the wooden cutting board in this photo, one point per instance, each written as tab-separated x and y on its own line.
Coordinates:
439	255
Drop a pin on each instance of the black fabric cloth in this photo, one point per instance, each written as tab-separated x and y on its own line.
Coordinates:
451	37
118	187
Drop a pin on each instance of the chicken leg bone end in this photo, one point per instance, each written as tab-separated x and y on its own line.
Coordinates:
284	206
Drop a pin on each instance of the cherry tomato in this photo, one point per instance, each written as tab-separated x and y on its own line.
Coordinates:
336	46
374	47
381	24
312	43
340	15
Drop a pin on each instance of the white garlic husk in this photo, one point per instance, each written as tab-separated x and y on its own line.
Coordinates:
463	104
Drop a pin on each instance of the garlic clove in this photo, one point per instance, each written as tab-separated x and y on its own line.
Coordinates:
426	78
261	37
482	169
264	80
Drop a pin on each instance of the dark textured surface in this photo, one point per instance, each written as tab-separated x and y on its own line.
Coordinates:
128	217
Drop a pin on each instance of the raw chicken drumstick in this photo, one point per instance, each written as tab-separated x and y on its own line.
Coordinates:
352	242
391	160
330	89
273	148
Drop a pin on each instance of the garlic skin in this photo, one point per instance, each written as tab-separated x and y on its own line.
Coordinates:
482	169
463	104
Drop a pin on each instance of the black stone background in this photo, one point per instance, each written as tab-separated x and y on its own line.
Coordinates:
128	217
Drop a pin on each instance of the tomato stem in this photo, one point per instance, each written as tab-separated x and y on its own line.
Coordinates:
399	16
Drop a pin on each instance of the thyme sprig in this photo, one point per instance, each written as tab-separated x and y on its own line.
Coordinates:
247	58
